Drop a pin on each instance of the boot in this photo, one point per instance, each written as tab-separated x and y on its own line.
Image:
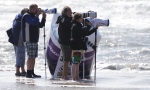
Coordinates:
28	74
34	75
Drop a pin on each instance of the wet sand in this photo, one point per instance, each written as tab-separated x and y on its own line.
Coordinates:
105	81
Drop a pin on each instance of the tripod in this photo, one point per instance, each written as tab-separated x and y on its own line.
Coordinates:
44	52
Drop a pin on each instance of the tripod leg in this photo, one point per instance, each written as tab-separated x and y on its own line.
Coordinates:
44	52
95	55
83	65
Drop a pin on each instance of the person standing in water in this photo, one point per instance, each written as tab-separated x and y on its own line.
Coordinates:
77	42
30	32
19	47
64	33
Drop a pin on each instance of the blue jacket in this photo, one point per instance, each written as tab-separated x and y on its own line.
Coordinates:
30	27
16	31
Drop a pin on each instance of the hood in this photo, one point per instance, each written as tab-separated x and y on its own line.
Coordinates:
18	17
92	22
90	19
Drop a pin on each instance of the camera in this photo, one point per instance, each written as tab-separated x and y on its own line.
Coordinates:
50	11
90	14
89	43
96	22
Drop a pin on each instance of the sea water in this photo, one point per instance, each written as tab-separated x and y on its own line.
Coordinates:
124	44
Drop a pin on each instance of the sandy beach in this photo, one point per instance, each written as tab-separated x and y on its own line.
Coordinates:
111	80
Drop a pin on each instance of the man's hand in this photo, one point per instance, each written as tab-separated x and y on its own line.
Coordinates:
89	23
44	15
97	26
39	11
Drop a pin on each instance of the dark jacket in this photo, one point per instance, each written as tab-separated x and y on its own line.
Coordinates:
78	33
30	27
64	29
16	31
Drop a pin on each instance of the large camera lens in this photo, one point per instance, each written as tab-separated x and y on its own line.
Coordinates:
90	14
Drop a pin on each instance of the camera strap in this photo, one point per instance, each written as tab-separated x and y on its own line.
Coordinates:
71	32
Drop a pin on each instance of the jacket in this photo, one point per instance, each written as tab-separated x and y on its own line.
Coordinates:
16	31
78	34
64	29
30	27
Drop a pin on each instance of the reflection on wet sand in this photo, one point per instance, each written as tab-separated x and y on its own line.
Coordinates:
25	80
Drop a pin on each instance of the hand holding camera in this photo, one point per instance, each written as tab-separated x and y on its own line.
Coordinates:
44	15
39	11
88	23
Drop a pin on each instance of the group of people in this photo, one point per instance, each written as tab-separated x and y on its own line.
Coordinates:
71	34
71	38
25	35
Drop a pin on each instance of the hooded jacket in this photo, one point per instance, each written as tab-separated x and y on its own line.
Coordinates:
16	31
78	34
30	27
64	29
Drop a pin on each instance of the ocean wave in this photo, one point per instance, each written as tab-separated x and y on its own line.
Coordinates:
100	67
121	67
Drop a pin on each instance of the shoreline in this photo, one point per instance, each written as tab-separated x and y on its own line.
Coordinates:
104	81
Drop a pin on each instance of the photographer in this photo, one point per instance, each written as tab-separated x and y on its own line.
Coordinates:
64	32
30	32
77	43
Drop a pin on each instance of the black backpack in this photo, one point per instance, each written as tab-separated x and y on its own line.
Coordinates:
10	37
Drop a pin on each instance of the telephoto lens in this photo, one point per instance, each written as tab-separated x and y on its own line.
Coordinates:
89	14
50	11
98	22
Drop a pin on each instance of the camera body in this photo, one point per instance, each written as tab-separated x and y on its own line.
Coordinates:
50	11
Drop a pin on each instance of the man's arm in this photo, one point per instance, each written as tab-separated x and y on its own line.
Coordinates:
42	23
91	31
32	21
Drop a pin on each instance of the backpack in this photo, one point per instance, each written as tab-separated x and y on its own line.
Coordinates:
10	36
